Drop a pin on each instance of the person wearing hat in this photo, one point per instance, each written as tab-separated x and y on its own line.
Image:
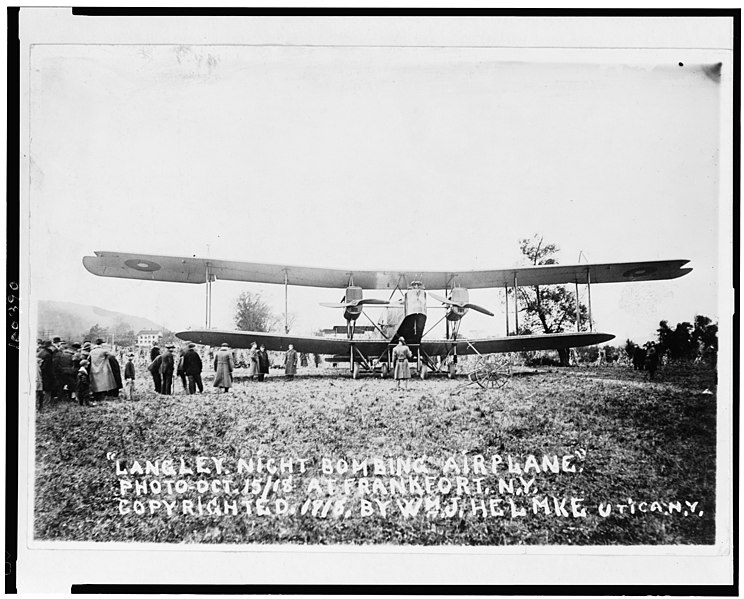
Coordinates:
224	364
46	374
263	363
77	356
129	377
85	353
154	369
166	369
179	369
154	352
290	362
101	374
116	371
192	368
64	372
82	388
253	361
401	355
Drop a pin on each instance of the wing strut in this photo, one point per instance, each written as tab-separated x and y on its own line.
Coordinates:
589	291
506	307
208	301
384	336
516	305
435	324
286	303
578	310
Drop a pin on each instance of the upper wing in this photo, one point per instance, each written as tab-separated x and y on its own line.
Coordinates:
279	342
494	345
194	270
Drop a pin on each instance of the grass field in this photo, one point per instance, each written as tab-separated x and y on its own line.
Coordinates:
628	439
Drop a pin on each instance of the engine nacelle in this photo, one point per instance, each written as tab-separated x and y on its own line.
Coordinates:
353	294
461	296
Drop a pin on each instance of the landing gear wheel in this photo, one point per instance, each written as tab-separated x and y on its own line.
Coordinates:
355	372
491	373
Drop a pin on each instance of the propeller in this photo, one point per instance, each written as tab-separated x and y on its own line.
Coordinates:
354	303
475	307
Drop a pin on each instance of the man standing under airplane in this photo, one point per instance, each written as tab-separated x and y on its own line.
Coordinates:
192	368
166	369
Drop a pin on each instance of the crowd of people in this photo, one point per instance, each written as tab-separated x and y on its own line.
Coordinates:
90	372
258	364
79	372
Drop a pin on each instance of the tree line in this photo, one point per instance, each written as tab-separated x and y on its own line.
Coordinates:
685	341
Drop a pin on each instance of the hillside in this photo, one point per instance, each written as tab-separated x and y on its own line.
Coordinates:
70	320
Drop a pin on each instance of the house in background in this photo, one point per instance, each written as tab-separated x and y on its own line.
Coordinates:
146	337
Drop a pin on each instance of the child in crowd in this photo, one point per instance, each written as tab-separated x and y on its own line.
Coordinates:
129	377
83	384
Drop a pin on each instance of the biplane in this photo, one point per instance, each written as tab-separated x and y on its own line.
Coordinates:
404	313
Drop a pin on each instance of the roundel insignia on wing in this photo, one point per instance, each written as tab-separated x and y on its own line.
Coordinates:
143	265
639	272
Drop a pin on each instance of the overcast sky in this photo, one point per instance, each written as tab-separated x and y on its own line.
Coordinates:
384	158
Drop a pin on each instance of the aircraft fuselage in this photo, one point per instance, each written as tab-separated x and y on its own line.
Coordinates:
407	318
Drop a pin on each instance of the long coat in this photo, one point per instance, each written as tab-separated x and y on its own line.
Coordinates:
192	364
401	355
46	369
290	362
253	362
263	362
116	371
101	374
166	364
223	367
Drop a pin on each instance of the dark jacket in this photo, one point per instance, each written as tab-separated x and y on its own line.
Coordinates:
154	353
129	370
192	364
83	384
116	369
62	360
263	362
47	369
154	366
166	363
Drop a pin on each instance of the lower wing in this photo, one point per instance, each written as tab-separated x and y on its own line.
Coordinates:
495	345
377	347
281	342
